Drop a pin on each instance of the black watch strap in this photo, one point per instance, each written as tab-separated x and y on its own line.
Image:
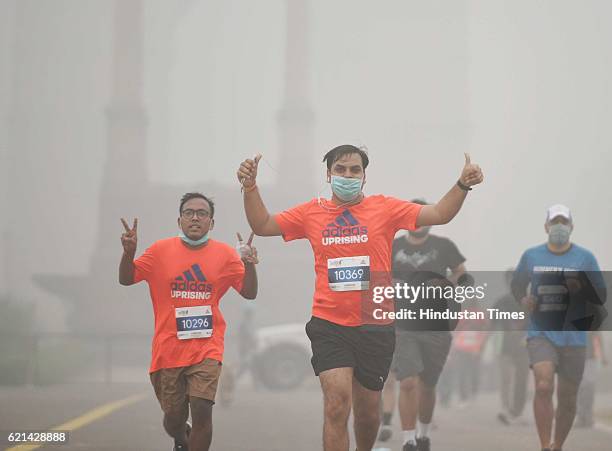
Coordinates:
463	187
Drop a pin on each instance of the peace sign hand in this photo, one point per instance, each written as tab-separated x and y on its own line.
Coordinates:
248	253
471	174
129	238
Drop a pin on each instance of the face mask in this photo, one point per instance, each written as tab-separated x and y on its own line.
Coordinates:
421	233
558	234
191	242
345	188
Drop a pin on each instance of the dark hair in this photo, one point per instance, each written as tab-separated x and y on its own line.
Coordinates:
419	201
346	149
189	196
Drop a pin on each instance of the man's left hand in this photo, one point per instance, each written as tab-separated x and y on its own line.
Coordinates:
471	174
248	252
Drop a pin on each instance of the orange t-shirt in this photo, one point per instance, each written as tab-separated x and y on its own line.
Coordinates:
363	230
186	286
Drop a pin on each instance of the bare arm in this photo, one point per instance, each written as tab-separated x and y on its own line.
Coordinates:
445	210
260	220
249	285
126	270
519	286
448	207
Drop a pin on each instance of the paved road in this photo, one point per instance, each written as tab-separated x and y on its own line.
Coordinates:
256	421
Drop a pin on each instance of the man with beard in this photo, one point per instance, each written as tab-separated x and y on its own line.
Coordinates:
421	346
351	236
187	276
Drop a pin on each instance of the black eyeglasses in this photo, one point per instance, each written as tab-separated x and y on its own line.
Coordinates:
189	213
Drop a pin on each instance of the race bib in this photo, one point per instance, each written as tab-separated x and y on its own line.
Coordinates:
349	273
552	298
194	322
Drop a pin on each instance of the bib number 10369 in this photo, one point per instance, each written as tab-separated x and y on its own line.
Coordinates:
194	322
349	273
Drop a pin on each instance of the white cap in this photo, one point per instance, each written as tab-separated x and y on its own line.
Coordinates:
558	210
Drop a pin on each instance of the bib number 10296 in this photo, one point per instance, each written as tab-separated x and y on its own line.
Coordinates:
194	322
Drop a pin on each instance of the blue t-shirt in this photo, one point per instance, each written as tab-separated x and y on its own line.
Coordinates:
541	265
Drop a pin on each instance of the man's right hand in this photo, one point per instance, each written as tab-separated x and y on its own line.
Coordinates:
247	172
129	239
529	303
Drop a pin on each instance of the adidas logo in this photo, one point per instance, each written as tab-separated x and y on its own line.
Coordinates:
191	284
344	230
344	220
188	275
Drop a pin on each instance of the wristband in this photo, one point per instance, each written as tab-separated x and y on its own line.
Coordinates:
248	190
463	187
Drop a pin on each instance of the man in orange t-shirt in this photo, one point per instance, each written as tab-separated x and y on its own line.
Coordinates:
351	236
187	276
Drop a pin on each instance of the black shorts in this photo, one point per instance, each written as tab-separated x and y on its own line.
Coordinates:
366	349
421	353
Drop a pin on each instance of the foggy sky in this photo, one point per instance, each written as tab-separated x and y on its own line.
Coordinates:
524	86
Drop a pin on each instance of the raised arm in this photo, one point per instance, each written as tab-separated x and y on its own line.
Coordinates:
129	240
260	220
448	207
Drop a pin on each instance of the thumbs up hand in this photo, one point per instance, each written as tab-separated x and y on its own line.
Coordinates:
471	174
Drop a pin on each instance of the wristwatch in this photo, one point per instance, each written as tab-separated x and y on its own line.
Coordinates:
463	187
